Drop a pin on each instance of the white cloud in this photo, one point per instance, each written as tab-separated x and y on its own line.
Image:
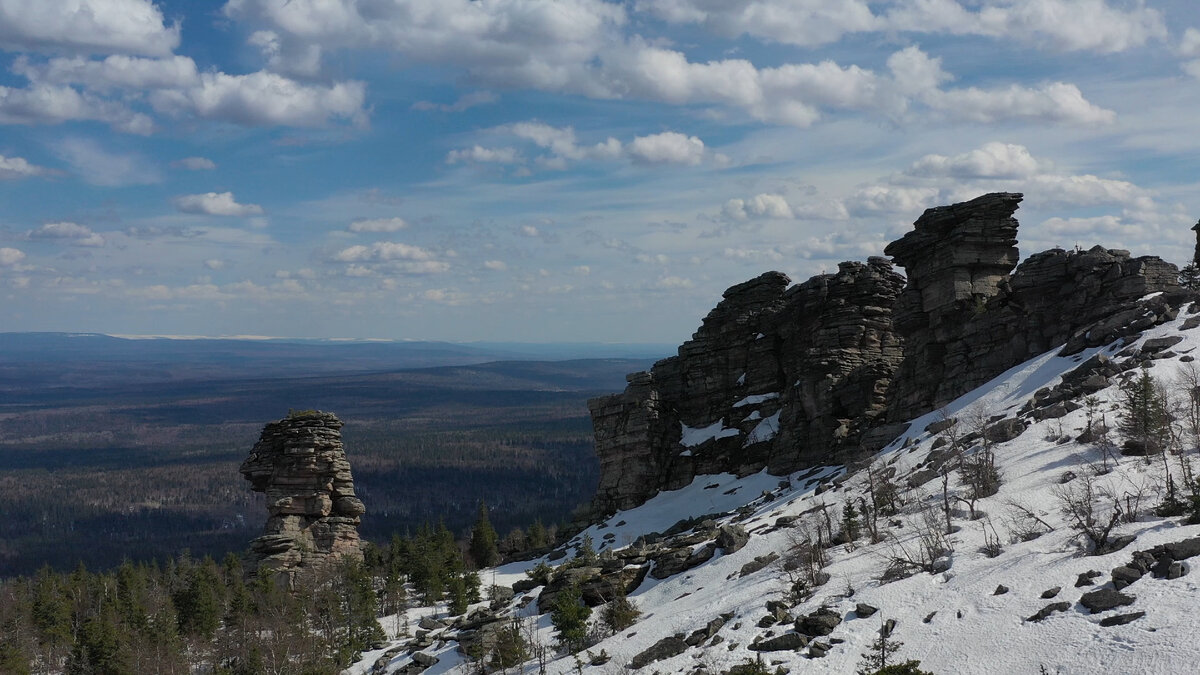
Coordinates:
1060	25
1189	44
195	164
464	102
495	265
291	57
47	104
109	169
529	231
673	282
992	160
10	256
72	233
118	71
378	225
481	154
759	206
669	147
265	99
215	204
1055	102
12	168
86	26
382	251
214	263
806	23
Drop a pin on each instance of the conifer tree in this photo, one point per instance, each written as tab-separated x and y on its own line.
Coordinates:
484	539
570	617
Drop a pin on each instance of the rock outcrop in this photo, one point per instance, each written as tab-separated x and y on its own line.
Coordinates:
775	377
789	378
300	464
966	315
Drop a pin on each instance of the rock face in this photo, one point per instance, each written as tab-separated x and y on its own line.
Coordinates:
789	378
775	377
966	315
300	464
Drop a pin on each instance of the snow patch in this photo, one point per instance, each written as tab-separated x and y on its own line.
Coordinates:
693	436
756	399
764	430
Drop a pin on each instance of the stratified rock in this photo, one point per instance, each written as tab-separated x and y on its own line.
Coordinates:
968	313
301	466
775	377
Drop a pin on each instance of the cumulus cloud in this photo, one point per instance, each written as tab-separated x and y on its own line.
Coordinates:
215	204
86	26
1094	25
264	99
495	265
67	232
214	263
118	71
377	225
49	104
992	160
289	57
12	168
759	206
10	256
99	166
673	282
669	147
382	251
194	164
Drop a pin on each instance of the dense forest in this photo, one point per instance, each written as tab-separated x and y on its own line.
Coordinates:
96	474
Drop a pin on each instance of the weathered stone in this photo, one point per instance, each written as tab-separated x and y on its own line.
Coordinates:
1123	576
663	649
759	563
1046	611
1000	590
1121	619
785	642
1004	430
1104	599
731	538
863	610
313	514
1087	578
819	623
1051	592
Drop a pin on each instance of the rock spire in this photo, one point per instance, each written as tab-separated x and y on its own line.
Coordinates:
301	466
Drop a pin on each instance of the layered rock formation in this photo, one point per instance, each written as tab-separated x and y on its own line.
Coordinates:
966	316
775	377
300	464
789	378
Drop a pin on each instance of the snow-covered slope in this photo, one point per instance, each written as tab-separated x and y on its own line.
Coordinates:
952	620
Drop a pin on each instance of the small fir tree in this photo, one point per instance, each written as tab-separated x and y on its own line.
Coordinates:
569	618
483	547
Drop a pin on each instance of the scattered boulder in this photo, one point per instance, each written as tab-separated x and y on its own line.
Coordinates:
1051	592
819	623
758	564
1124	575
1004	430
863	610
1000	590
1104	599
1046	611
1121	619
1087	578
663	649
731	538
785	642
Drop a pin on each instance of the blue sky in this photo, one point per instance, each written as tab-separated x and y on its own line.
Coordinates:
554	170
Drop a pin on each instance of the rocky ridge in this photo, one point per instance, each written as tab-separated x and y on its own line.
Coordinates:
300	464
786	378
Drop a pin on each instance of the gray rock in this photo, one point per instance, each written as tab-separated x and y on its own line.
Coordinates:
426	660
731	538
1046	611
1121	619
1123	576
863	610
1087	578
819	623
759	563
1104	599
1051	592
1000	590
663	649
785	642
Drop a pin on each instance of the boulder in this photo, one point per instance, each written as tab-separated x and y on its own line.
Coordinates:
819	623
663	649
1104	599
731	538
785	642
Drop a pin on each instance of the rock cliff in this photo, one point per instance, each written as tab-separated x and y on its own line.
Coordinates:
786	378
301	466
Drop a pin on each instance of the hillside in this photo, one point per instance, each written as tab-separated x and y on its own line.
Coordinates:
952	619
981	465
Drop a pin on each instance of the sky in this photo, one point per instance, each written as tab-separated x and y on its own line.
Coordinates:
555	170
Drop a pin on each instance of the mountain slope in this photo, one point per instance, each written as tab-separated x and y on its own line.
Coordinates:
951	619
